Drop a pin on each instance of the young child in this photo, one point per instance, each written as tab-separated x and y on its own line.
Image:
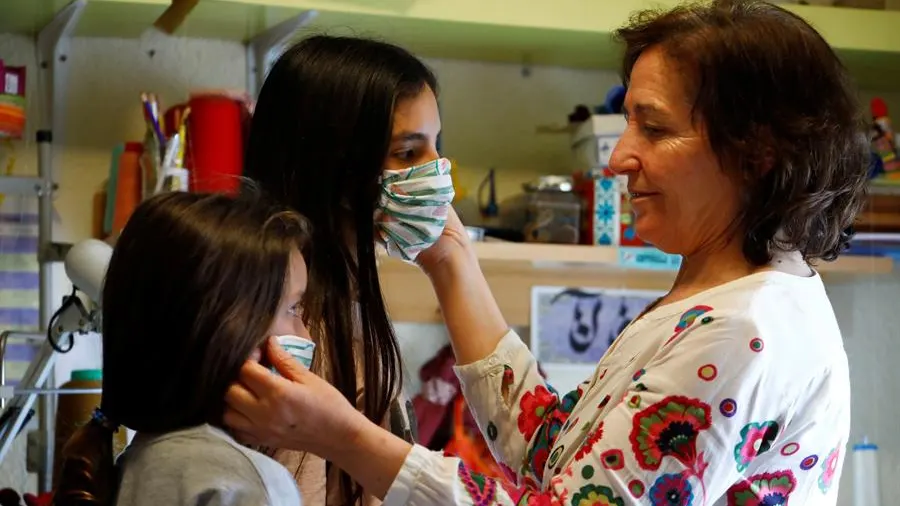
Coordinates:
195	285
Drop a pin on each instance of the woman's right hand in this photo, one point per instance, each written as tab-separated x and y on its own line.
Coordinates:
290	410
453	243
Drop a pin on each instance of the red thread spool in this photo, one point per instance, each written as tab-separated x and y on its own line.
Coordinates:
216	143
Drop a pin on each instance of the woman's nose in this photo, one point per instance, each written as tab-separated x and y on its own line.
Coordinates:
623	158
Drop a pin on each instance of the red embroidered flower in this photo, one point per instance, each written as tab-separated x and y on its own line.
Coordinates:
669	427
535	406
589	444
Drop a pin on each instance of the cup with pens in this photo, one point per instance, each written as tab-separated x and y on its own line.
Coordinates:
162	163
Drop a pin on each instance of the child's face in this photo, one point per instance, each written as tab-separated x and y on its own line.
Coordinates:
289	316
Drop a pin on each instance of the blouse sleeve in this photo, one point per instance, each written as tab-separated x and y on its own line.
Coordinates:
690	423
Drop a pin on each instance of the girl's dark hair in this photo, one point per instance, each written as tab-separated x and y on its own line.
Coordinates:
318	142
772	95
193	285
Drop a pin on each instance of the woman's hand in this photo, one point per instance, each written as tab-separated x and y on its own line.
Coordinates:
300	411
291	410
453	243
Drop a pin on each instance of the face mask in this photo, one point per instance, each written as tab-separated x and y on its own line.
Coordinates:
413	209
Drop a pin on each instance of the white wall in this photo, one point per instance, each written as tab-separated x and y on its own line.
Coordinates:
490	115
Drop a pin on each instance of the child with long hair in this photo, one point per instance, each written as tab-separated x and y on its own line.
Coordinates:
195	286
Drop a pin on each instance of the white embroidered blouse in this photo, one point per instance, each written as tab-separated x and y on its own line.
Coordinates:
739	395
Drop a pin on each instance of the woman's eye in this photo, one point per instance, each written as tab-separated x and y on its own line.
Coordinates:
653	131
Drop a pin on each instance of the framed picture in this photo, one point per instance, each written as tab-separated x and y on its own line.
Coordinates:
575	326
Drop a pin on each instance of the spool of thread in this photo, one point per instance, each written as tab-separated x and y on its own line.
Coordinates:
866	490
128	184
215	147
75	410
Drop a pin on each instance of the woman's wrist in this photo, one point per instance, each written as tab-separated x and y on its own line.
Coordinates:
371	455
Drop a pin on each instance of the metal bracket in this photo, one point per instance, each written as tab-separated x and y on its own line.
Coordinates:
53	53
53	45
261	47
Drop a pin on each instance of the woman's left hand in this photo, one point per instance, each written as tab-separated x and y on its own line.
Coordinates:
290	411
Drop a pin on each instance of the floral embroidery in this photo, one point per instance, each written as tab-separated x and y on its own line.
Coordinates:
728	408
613	460
637	489
638	374
483	491
809	462
829	467
757	344
756	439
687	319
591	440
768	489
548	432
535	406
670	428
672	490
596	495
707	372
531	498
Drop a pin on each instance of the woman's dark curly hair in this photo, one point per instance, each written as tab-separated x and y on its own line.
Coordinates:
779	108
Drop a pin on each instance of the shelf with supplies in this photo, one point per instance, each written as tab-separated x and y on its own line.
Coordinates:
512	269
567	33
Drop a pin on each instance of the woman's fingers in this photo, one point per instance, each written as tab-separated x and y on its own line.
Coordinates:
240	399
284	363
236	420
257	379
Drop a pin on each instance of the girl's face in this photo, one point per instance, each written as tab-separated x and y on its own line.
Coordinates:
289	316
414	134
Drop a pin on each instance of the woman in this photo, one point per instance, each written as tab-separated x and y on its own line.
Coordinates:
175	333
733	388
334	113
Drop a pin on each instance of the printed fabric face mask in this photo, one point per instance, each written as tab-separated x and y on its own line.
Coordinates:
413	209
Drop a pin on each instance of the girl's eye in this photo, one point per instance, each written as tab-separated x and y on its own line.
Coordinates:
296	310
406	154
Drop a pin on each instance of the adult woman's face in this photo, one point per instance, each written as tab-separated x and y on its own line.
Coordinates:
682	200
417	124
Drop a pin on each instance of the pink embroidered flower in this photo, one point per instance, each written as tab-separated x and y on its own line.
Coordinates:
756	439
829	467
767	489
535	406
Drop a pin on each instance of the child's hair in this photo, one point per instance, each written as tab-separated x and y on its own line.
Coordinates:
193	285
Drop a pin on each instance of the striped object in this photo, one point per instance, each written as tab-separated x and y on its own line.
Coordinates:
19	283
414	206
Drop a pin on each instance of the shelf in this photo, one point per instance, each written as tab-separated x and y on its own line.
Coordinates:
512	269
566	33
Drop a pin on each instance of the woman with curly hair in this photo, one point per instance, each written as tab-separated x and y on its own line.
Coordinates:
733	388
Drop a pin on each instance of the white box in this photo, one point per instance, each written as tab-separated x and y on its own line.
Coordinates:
594	140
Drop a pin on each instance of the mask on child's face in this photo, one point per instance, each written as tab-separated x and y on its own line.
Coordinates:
413	209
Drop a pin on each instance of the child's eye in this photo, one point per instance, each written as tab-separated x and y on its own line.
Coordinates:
296	310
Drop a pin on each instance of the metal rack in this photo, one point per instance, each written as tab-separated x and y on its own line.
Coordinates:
37	386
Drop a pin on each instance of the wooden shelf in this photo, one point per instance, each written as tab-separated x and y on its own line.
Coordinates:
568	33
512	269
